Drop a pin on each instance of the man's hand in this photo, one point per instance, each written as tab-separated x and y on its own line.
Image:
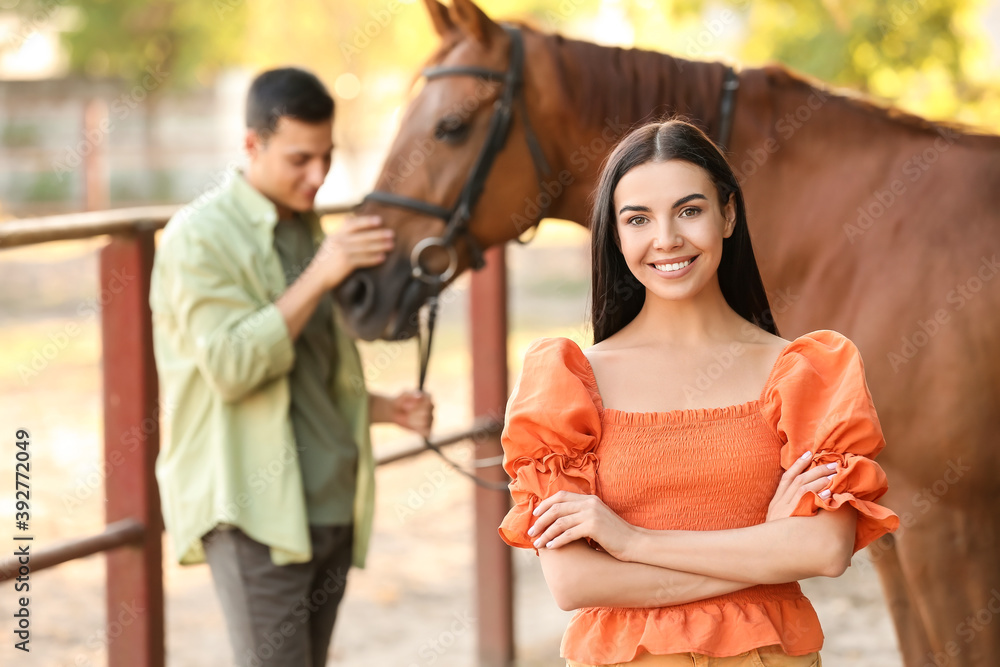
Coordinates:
413	410
360	242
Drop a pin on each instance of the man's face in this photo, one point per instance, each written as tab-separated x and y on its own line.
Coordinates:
290	165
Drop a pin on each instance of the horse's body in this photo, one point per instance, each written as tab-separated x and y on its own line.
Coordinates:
868	221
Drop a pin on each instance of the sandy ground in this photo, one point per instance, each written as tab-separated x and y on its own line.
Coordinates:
414	604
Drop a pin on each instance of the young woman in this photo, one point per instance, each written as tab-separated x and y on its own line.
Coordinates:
682	474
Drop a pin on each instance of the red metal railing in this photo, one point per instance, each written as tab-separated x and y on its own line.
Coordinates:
132	538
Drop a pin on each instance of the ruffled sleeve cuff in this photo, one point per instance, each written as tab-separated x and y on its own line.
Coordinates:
551	428
819	401
537	479
859	483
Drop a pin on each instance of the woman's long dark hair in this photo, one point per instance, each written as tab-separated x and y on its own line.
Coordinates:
617	296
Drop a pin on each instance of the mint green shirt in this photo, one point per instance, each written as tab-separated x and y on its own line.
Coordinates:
328	456
223	354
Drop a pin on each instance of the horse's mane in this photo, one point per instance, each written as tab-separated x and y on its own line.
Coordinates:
630	85
780	77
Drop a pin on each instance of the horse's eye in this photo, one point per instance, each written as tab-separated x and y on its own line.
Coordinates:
451	128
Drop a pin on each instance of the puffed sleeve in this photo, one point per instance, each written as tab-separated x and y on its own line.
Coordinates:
819	401
551	428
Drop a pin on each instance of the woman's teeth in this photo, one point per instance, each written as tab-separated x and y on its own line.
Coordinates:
673	267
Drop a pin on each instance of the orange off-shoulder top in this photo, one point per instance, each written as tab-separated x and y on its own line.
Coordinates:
695	469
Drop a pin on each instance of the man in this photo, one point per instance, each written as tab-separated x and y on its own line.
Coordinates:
267	470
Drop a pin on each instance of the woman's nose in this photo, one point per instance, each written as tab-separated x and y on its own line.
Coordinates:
667	236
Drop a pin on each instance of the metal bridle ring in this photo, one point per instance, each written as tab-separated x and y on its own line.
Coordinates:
418	270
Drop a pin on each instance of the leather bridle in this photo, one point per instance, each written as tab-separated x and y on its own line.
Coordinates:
457	218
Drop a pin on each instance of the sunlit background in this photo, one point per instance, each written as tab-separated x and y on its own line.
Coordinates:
170	76
174	72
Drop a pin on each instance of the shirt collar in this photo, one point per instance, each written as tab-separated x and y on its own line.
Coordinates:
260	210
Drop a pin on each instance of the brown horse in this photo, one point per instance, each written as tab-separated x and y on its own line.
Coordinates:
866	220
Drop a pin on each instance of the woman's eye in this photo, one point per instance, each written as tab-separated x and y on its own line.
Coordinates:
451	128
637	220
690	212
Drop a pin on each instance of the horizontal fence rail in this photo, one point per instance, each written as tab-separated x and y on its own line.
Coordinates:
29	231
120	533
130	531
132	538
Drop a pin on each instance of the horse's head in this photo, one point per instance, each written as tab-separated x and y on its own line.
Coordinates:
464	173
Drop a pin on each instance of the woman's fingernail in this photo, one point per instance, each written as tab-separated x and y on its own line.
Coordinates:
531	531
806	455
825	493
831	466
831	476
538	542
549	545
535	512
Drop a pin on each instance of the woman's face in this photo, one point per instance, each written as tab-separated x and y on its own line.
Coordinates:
670	227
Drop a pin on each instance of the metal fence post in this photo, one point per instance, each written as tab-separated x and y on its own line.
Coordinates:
135	608
494	576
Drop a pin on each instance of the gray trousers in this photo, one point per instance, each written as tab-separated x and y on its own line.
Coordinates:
279	615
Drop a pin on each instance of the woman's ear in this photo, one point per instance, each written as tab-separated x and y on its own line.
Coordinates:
729	212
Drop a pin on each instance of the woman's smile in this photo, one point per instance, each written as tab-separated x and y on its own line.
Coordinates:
674	269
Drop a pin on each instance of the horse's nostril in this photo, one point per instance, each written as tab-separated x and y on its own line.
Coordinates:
360	293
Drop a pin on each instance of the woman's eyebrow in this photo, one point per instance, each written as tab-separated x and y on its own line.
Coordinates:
684	200
679	202
629	207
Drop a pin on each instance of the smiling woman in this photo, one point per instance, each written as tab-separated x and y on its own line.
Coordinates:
678	518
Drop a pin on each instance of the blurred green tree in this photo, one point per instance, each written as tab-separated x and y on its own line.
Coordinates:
931	57
183	42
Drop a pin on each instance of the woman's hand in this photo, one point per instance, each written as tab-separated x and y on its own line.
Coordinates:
796	482
566	517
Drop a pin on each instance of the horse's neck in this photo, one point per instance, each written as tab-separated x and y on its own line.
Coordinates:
791	139
606	92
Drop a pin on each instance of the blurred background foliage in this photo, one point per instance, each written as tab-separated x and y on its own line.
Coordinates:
931	57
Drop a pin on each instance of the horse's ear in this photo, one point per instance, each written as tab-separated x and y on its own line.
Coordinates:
471	19
439	17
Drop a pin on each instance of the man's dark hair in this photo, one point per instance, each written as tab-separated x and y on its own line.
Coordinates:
290	92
